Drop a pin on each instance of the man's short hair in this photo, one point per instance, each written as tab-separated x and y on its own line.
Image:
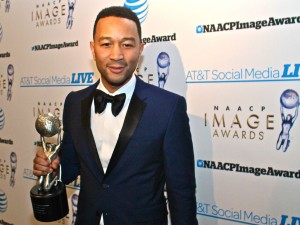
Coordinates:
118	11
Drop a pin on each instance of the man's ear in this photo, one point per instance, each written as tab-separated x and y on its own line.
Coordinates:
142	48
92	49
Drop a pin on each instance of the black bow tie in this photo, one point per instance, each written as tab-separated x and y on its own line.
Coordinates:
101	99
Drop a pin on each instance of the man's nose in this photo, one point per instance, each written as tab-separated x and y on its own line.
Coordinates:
116	53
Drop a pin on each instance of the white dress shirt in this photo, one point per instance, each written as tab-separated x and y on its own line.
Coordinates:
106	127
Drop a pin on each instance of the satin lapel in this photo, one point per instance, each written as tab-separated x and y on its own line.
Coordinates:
86	124
132	118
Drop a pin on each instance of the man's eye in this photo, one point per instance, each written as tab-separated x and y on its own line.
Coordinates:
126	45
105	44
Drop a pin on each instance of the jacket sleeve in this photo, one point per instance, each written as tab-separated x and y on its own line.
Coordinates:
179	167
69	161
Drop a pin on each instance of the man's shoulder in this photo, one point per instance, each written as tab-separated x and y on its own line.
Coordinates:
147	89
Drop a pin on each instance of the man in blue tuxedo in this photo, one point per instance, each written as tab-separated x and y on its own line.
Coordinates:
128	140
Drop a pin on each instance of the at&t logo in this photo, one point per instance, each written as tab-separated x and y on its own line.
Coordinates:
1	32
2	118
3	201
139	7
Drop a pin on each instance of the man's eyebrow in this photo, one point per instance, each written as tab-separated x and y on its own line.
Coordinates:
123	39
103	38
128	39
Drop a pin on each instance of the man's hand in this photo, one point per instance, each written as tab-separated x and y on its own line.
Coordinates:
42	165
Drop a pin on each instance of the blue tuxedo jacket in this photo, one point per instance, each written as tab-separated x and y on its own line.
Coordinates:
154	148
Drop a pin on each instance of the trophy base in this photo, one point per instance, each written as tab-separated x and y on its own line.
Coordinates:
49	206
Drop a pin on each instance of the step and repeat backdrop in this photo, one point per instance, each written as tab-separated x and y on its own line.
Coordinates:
236	62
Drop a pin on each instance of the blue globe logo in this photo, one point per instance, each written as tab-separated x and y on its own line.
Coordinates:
139	7
200	163
3	202
2	118
199	29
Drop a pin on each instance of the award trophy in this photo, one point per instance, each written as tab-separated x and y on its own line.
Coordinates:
48	197
163	67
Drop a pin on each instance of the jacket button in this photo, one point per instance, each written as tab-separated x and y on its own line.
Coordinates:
105	186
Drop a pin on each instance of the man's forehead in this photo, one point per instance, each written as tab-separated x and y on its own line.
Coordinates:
123	25
115	18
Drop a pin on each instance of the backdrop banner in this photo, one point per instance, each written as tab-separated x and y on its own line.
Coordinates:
236	63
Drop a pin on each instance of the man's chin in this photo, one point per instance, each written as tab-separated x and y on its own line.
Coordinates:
116	84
